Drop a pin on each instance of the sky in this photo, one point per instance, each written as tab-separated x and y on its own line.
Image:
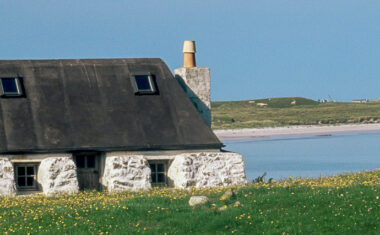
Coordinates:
255	49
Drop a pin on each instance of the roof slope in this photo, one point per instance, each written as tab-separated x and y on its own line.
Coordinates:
89	104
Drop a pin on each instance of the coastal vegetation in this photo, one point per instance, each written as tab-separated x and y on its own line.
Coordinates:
344	204
276	112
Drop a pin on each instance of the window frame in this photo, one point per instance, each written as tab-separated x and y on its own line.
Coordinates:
19	88
165	172
152	83
86	161
35	166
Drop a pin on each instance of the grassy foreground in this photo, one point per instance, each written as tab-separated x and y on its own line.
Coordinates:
281	112
346	204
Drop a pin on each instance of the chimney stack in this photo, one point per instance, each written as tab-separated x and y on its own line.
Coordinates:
195	81
189	54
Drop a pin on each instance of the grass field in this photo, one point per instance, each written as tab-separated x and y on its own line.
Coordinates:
347	204
276	112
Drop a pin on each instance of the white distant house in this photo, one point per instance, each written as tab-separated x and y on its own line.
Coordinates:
360	101
262	104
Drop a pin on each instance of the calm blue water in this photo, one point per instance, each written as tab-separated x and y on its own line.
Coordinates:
310	156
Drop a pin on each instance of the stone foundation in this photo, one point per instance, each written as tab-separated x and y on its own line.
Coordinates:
207	169
7	179
58	175
124	171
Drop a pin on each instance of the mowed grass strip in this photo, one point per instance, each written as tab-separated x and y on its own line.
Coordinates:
275	112
346	204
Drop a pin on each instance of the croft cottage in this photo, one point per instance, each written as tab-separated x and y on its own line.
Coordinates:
109	124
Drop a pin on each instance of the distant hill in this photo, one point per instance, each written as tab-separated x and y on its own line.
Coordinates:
274	112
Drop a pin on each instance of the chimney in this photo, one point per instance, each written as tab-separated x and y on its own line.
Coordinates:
189	54
195	81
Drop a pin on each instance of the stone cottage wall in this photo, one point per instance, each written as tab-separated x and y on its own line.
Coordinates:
7	180
124	171
207	169
58	174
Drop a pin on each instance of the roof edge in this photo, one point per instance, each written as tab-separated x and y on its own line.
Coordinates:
111	149
67	59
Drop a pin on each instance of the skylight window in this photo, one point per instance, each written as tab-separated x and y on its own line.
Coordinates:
10	87
144	84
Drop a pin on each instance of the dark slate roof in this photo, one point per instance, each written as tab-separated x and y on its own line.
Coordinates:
89	104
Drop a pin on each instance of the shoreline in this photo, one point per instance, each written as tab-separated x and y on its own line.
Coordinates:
246	133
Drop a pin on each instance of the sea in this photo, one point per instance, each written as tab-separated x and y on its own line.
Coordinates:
304	156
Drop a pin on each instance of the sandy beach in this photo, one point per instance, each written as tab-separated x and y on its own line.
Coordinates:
295	130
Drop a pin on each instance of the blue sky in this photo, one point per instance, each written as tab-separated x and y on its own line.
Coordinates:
255	49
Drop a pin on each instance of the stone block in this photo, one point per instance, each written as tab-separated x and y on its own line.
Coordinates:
58	175
208	169
198	200
7	179
126	172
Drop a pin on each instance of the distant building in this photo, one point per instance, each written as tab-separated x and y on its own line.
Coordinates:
262	104
360	101
374	101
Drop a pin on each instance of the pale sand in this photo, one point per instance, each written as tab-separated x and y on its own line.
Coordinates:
295	130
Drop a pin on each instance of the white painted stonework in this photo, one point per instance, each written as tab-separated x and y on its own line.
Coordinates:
58	175
207	169
7	180
196	83
124	171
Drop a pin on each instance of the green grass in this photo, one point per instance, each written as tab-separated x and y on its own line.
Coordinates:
280	112
334	205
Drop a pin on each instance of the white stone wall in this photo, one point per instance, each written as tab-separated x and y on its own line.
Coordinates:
207	169
125	171
58	174
7	180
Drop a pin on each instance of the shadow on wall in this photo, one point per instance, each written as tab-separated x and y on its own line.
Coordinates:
202	108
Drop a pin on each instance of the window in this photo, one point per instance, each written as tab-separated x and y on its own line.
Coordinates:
85	161
26	176
10	87
144	84
158	173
